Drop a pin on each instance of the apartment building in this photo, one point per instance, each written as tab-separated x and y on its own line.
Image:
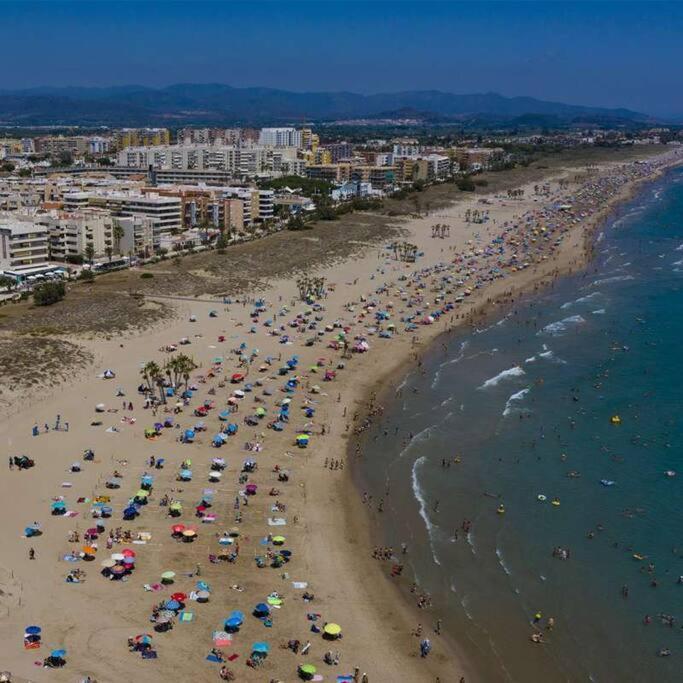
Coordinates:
224	208
216	136
134	137
240	162
163	211
332	173
477	158
339	151
432	167
23	244
53	145
280	137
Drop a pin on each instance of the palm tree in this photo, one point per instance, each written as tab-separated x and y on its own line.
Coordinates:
152	374
109	252
118	234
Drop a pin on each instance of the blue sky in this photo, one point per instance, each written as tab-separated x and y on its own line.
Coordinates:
609	53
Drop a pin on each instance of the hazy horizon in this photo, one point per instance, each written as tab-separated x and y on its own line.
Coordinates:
606	54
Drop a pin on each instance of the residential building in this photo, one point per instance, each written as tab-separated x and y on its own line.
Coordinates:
132	137
280	137
23	244
163	211
339	151
240	162
406	150
332	173
58	144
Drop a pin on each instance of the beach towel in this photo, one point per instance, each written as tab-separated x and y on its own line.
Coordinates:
212	658
344	678
277	521
185	617
149	654
300	584
232	658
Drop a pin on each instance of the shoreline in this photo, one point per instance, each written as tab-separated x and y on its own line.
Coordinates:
385	386
338	533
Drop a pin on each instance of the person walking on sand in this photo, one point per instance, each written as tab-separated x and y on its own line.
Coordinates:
31	554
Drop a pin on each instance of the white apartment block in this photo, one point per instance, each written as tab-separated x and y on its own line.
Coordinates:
280	137
164	212
238	161
23	244
406	151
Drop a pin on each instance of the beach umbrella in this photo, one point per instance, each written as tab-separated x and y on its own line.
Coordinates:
129	562
32	630
278	540
172	605
118	570
167	577
203	596
274	601
261	610
143	639
232	624
178	528
58	654
117	557
307	671
189	533
142	493
262	648
179	596
332	630
127	552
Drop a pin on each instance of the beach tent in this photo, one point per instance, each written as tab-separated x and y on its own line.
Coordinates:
261	610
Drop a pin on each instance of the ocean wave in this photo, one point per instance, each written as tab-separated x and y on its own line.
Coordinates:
402	385
509	405
678	263
679	247
470	541
608	280
515	371
581	300
531	359
457	359
501	562
599	311
557	328
419	496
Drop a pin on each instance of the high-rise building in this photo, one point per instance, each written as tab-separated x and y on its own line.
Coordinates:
280	137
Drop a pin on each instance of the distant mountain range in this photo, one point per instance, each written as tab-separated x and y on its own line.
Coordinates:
216	104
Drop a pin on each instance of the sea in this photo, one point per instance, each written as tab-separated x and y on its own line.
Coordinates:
534	467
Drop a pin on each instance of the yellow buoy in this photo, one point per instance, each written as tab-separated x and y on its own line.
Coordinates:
615	420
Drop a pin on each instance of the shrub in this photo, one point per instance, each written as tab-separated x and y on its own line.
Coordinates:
465	184
86	275
49	293
146	276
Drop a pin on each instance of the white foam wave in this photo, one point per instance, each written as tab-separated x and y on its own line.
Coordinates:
531	359
679	247
581	300
457	359
557	328
515	371
599	311
509	405
419	496
608	280
501	562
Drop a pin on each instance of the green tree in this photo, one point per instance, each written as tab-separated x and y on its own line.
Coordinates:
7	282
90	252
109	253
49	293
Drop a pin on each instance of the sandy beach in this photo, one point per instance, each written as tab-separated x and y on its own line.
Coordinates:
304	494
